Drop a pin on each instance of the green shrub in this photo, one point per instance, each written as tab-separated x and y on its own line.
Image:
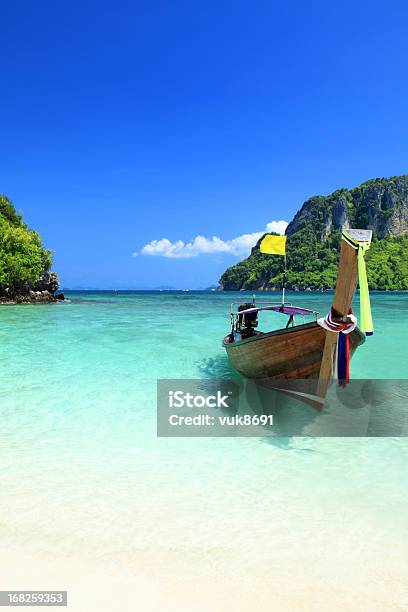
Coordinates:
23	259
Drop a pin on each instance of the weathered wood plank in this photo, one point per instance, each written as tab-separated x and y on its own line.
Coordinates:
284	354
343	297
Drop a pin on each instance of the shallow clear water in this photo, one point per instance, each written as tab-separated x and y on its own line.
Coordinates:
82	468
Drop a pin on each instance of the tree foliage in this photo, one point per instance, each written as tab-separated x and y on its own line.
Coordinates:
23	259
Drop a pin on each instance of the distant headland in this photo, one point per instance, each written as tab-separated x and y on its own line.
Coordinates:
25	265
313	241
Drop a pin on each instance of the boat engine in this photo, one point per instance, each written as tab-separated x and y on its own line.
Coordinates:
246	322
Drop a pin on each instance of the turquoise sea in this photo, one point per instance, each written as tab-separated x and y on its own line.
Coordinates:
83	470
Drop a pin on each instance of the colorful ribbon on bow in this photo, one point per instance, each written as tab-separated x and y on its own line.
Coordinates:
343	329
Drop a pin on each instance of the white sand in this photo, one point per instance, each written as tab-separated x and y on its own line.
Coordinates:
101	586
91	586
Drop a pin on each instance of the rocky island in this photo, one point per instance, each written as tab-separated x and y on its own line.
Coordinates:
25	264
314	235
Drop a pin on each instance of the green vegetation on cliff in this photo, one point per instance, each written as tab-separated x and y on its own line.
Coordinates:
23	259
314	241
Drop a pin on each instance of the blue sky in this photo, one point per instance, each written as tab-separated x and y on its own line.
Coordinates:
124	123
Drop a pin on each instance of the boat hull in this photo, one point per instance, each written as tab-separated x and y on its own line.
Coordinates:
292	353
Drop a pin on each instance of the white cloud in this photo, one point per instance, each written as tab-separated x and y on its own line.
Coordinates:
200	245
278	227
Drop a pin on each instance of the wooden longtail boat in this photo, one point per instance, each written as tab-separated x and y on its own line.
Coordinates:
292	352
304	351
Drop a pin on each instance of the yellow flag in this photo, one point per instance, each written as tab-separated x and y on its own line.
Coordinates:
273	245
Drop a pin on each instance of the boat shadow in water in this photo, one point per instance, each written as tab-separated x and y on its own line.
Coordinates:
217	367
293	404
291	416
362	408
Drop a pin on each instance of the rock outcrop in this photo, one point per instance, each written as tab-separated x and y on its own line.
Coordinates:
378	204
44	291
